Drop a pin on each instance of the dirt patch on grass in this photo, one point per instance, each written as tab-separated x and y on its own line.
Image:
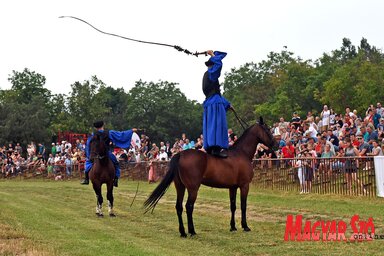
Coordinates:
14	242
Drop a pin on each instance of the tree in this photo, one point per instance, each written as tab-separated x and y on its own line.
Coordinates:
24	112
163	110
84	106
28	84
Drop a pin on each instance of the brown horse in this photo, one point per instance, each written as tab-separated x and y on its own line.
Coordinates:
191	168
102	172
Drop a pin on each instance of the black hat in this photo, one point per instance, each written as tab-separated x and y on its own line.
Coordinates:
98	124
208	63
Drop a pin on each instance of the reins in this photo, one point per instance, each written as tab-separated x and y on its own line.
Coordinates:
243	123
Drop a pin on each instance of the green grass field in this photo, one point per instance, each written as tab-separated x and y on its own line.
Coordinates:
44	217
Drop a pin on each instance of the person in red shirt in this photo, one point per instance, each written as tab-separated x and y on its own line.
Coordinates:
288	150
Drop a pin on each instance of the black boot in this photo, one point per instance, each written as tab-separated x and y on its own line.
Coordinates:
85	181
220	152
115	182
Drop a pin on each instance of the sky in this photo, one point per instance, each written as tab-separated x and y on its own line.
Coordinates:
66	50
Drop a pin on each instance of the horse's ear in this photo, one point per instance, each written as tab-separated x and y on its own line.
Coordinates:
261	121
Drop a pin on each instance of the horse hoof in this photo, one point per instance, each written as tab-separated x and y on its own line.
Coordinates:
193	234
233	229
247	229
183	235
112	215
100	215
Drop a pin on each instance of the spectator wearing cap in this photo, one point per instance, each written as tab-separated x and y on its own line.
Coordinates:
162	156
280	141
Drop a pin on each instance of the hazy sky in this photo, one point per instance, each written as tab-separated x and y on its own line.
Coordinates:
66	50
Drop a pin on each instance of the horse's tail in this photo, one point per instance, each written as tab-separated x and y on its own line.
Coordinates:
160	190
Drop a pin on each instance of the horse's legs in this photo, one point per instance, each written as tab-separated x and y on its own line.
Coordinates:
180	188
192	195
110	199
232	198
243	196
99	199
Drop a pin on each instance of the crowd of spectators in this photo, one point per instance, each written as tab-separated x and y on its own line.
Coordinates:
329	129
328	136
61	157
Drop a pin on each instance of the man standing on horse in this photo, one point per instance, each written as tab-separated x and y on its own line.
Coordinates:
215	129
120	139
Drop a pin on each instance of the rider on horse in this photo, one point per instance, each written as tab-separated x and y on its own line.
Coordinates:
215	129
120	139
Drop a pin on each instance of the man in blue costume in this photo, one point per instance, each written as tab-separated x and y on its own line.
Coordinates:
215	129
120	139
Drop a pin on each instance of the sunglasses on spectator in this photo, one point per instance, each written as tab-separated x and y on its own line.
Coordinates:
359	138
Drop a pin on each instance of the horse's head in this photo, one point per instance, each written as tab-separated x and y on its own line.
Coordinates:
257	133
265	134
97	147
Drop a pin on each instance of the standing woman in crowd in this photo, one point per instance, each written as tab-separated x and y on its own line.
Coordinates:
350	165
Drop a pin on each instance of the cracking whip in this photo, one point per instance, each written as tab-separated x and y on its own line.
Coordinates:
180	49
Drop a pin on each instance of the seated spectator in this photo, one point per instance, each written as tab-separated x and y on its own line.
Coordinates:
372	135
168	149
380	126
333	139
163	156
296	120
288	150
262	151
131	157
232	137
354	140
363	146
186	144
376	150
123	157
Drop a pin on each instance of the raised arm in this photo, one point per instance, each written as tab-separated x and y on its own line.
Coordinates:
216	58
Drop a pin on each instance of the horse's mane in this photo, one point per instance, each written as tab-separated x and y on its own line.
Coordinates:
246	131
97	138
241	138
